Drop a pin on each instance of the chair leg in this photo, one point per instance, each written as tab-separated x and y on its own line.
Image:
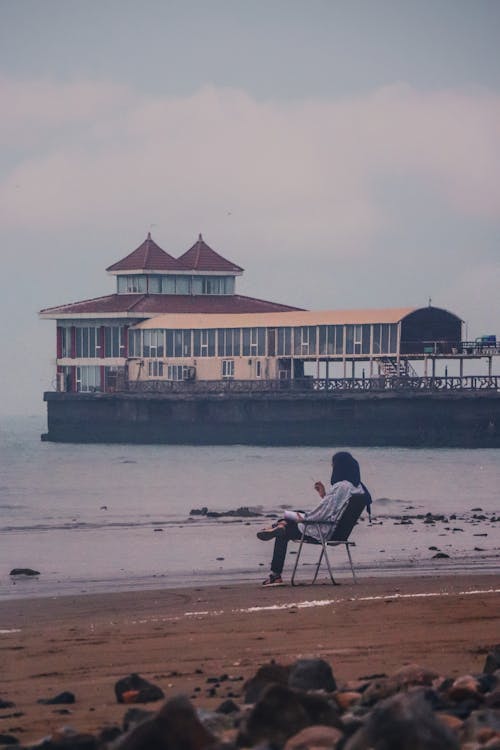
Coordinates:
350	560
329	567
292	580
318	565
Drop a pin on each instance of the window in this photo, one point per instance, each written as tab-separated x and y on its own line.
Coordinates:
178	343
66	342
258	369
88	342
227	369
113	341
254	342
132	284
228	342
284	342
154	284
304	342
213	284
155	369
153	343
204	343
134	343
385	338
177	372
175	285
88	379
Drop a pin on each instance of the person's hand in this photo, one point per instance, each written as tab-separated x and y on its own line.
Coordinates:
320	488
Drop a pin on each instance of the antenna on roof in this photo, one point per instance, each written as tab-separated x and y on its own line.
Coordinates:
430	301
200	238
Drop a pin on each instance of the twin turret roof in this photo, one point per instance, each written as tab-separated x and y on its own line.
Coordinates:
151	257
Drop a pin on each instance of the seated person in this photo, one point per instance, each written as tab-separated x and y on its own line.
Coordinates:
345	482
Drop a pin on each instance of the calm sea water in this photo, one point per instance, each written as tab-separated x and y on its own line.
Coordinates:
108	517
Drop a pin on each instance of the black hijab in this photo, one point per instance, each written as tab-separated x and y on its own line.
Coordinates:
345	467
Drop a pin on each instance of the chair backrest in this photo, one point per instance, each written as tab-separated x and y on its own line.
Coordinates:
348	519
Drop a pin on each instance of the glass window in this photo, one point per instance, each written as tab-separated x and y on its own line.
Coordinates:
197	283
393	338
349	339
168	284
122	284
365	339
182	285
155	369
154	284
284	342
88	379
258	369
384	344
246	342
177	372
88	342
65	342
113	343
227	369
339	339
134	343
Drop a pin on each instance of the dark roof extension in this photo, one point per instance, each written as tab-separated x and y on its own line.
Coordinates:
144	305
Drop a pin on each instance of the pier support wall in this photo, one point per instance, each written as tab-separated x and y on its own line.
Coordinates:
406	419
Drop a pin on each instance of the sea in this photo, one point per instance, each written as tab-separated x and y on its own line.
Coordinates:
114	517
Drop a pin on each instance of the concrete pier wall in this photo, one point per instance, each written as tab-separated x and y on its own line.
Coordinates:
469	419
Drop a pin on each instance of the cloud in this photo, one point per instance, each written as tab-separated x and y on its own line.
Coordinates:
304	173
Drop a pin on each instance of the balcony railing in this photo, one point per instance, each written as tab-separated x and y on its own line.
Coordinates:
323	385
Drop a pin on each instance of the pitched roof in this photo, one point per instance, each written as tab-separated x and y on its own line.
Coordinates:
147	257
147	305
201	257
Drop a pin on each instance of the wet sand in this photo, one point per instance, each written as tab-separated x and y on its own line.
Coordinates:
179	638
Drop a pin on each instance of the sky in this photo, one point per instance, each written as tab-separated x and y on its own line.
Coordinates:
345	153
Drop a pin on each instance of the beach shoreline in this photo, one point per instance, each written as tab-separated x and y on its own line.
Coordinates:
179	638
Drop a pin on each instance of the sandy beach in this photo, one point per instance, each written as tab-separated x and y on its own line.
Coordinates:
180	638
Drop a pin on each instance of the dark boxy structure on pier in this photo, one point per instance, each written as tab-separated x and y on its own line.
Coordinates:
176	356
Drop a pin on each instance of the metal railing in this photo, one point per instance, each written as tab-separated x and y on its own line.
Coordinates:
321	385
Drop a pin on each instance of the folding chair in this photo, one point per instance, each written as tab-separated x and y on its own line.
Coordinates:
339	533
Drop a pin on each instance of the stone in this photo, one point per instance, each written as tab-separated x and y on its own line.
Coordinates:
314	737
61	698
6	704
135	689
266	675
8	739
492	662
277	716
227	707
175	727
135	716
282	712
452	722
312	674
24	572
411	675
403	722
345	700
464	687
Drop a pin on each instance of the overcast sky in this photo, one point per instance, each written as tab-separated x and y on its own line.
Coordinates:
345	153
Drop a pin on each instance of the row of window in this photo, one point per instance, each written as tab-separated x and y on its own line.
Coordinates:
88	342
172	284
380	338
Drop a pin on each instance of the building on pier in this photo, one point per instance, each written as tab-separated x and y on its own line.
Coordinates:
180	319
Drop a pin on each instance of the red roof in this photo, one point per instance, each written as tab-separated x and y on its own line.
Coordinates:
201	257
155	304
148	257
